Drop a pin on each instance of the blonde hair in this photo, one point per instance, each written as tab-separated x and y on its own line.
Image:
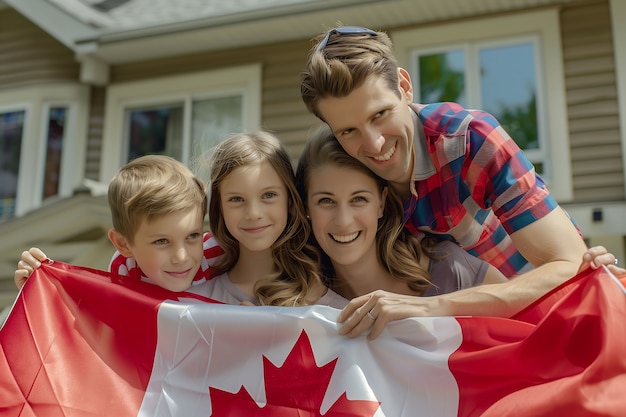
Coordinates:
398	250
344	63
297	261
152	186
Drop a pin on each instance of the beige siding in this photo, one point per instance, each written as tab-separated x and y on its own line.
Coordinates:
592	102
94	133
30	55
282	109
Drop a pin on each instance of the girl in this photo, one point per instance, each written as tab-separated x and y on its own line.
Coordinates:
257	217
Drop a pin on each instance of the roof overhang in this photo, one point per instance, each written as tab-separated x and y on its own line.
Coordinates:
95	35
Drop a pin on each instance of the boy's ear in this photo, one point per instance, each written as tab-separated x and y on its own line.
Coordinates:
120	243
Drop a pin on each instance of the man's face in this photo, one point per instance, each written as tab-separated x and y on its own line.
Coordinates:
375	126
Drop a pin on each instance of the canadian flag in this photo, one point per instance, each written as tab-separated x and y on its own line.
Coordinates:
76	344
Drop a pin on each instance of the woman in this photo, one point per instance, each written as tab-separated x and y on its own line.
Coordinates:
368	255
357	222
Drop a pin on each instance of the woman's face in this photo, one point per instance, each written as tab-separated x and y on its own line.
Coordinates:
344	205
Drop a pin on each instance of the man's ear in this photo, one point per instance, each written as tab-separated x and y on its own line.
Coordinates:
383	201
120	243
404	82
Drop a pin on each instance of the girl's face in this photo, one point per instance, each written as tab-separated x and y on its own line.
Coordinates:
344	205
254	205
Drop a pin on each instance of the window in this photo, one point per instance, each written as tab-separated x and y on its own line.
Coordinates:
181	116
11	133
42	133
509	66
54	147
500	78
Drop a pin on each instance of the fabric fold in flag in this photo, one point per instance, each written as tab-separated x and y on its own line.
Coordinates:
77	344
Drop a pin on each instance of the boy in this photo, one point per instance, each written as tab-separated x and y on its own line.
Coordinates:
157	210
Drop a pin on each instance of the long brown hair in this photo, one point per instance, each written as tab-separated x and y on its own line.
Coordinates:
296	260
398	250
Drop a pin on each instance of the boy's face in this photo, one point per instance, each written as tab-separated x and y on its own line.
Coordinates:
375	126
168	249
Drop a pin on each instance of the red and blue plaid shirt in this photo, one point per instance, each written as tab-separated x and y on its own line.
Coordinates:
473	184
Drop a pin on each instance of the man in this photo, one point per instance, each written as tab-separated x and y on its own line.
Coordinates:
461	174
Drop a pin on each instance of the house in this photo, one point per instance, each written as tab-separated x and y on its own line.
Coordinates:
87	84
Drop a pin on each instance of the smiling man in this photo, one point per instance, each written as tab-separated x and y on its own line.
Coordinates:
462	176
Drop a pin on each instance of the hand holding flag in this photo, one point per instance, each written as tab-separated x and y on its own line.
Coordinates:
76	344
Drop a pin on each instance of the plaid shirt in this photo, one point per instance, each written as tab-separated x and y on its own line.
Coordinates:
473	184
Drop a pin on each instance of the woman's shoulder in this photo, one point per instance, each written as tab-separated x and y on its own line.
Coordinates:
453	268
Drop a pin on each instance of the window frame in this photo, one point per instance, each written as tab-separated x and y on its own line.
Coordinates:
471	78
36	101
184	88
552	107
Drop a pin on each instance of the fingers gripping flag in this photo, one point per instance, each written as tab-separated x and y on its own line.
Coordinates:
76	344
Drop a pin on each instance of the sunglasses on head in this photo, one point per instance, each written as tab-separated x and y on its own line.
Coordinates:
344	30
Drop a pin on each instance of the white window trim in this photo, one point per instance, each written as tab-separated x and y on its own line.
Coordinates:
544	24
186	87
618	12
36	101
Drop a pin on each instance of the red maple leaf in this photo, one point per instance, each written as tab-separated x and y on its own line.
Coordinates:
295	390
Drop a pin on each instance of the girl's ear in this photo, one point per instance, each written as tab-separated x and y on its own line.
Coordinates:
383	199
120	243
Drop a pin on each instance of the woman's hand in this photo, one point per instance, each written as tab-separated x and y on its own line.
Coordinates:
373	311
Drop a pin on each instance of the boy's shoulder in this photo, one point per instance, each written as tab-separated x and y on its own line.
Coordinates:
212	248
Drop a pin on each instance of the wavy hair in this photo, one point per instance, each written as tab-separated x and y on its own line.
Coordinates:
297	262
398	250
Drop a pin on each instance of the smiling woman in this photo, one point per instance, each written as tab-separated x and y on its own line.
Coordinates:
357	222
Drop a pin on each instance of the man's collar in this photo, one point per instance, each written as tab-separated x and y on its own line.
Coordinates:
422	164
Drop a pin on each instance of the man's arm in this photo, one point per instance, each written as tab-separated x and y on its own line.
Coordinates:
552	244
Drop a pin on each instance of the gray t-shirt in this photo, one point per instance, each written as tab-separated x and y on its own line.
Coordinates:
454	269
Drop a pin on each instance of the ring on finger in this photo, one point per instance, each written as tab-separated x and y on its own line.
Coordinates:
616	261
369	314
